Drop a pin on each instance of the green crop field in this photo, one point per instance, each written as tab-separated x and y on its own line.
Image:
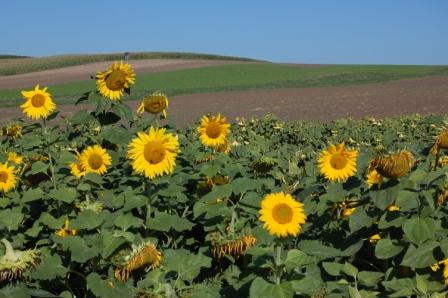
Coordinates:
243	77
12	64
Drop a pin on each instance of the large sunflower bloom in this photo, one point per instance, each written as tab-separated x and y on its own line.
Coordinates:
7	178
38	103
155	103
95	159
115	80
153	154
282	215
337	163
213	131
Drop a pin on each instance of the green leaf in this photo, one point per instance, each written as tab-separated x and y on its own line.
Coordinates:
332	268
38	167
50	268
11	218
307	285
262	289
81	252
125	221
65	158
109	288
164	222
88	220
218	192
370	278
64	194
349	269
418	230
354	293
297	258
82	117
186	265
32	195
422	284
386	249
407	200
315	248
359	219
421	256
243	184
110	243
134	202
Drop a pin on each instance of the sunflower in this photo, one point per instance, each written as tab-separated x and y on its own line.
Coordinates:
235	248
344	209
337	163
393	166
146	254
14	263
153	154
7	178
213	131
13	131
155	103
95	159
373	177
393	207
282	215
65	231
38	103
76	168
115	80
374	238
436	267
15	158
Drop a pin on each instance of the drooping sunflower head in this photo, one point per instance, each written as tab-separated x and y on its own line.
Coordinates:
15	158
7	178
282	215
213	131
155	103
143	255
38	104
95	159
235	248
337	163
374	178
344	209
393	165
153	154
441	141
14	263
112	82
13	130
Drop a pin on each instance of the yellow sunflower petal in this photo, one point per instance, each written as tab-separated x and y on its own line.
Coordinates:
213	131
112	83
95	159
38	104
337	163
7	178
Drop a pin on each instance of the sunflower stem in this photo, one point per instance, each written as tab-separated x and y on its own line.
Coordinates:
278	262
9	251
232	221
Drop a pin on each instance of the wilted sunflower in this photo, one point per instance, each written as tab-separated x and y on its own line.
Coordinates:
7	178
13	131
38	103
393	165
234	248
344	209
155	103
15	158
153	154
76	168
115	80
146	254
374	178
65	231
337	163
95	159
15	262
213	131
282	215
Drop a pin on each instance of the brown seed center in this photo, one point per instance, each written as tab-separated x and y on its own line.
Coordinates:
95	161
154	152
115	80
282	213
213	130
3	176
338	161
38	100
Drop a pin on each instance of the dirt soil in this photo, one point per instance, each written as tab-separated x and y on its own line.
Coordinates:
420	95
83	72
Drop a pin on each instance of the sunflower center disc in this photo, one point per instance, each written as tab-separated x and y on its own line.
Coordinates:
213	130
154	106
338	161
116	80
3	176
154	152
95	161
38	100
282	213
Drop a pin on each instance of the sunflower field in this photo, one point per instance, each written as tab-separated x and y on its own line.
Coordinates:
112	202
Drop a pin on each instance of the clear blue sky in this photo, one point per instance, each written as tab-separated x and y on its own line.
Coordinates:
318	31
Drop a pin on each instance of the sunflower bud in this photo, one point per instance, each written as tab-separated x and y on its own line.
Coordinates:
15	262
393	165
